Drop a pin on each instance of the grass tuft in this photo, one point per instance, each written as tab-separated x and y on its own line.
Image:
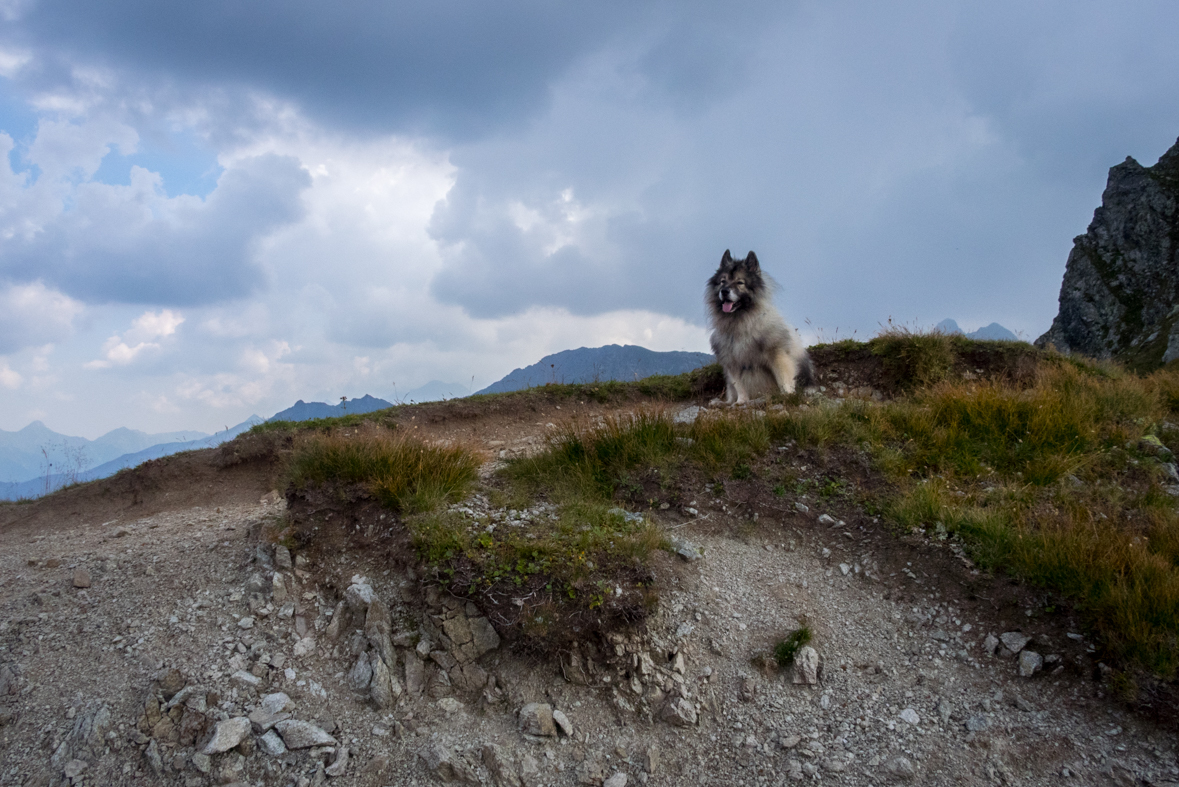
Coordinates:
403	473
787	649
913	359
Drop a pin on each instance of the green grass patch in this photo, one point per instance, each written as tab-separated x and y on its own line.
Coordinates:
913	359
787	649
403	473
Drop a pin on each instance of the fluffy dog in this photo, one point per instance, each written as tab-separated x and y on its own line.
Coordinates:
759	352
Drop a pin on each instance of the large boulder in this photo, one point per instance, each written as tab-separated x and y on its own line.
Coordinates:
1120	295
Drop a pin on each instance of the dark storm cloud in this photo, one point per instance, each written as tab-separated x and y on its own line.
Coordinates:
454	69
446	66
147	249
916	161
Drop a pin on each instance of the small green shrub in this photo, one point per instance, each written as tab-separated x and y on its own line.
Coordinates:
787	649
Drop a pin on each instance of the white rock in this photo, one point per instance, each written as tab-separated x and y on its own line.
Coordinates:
563	723
806	666
1014	641
305	646
227	734
359	594
1030	663
245	679
303	734
617	780
271	744
910	715
277	702
340	764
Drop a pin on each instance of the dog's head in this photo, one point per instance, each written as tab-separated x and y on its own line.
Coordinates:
735	286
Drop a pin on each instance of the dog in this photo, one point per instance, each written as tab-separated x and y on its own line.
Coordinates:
759	352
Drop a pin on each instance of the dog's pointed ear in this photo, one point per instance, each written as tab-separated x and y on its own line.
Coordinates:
751	262
727	259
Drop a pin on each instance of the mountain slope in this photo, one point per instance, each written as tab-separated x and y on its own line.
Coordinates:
305	411
49	482
590	364
26	453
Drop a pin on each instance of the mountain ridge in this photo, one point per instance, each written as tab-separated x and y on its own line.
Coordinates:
591	364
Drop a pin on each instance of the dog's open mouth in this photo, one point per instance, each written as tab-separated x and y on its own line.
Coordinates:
727	306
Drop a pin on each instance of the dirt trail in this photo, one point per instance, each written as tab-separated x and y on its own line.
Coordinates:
177	575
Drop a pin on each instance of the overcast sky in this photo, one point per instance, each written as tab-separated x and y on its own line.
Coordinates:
213	209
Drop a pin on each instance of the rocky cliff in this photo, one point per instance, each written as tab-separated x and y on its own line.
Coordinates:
1120	295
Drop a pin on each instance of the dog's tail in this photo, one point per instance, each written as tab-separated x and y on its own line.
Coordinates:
805	376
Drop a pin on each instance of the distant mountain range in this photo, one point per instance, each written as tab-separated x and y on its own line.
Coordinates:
305	411
37	449
592	364
993	332
36	460
45	481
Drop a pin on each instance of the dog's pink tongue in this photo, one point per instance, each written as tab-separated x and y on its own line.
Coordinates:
728	307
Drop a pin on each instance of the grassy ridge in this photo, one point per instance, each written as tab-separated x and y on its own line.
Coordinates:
1061	476
1061	480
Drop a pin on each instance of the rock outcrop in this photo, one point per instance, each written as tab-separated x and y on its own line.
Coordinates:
1120	296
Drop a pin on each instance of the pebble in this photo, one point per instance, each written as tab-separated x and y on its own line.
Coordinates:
536	718
617	780
563	723
1014	641
910	715
679	713
272	744
1030	663
81	578
686	549
990	644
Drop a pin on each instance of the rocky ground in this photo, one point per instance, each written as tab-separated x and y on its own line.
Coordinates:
174	643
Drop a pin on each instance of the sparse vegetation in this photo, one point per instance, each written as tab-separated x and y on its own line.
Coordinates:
787	649
403	473
1056	471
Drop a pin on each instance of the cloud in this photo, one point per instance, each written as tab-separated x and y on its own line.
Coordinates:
33	314
450	66
9	378
141	338
133	243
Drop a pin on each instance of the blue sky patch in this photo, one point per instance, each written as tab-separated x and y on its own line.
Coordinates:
186	166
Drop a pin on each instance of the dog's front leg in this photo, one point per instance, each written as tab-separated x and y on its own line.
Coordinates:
730	390
742	396
785	370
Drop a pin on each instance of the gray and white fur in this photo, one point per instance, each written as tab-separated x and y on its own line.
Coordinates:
759	352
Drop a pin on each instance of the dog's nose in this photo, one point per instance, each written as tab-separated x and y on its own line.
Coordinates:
724	292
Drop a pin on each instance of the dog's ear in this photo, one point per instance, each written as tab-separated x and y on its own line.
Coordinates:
751	262
727	259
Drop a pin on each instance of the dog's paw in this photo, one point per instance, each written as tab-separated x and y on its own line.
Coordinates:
717	402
